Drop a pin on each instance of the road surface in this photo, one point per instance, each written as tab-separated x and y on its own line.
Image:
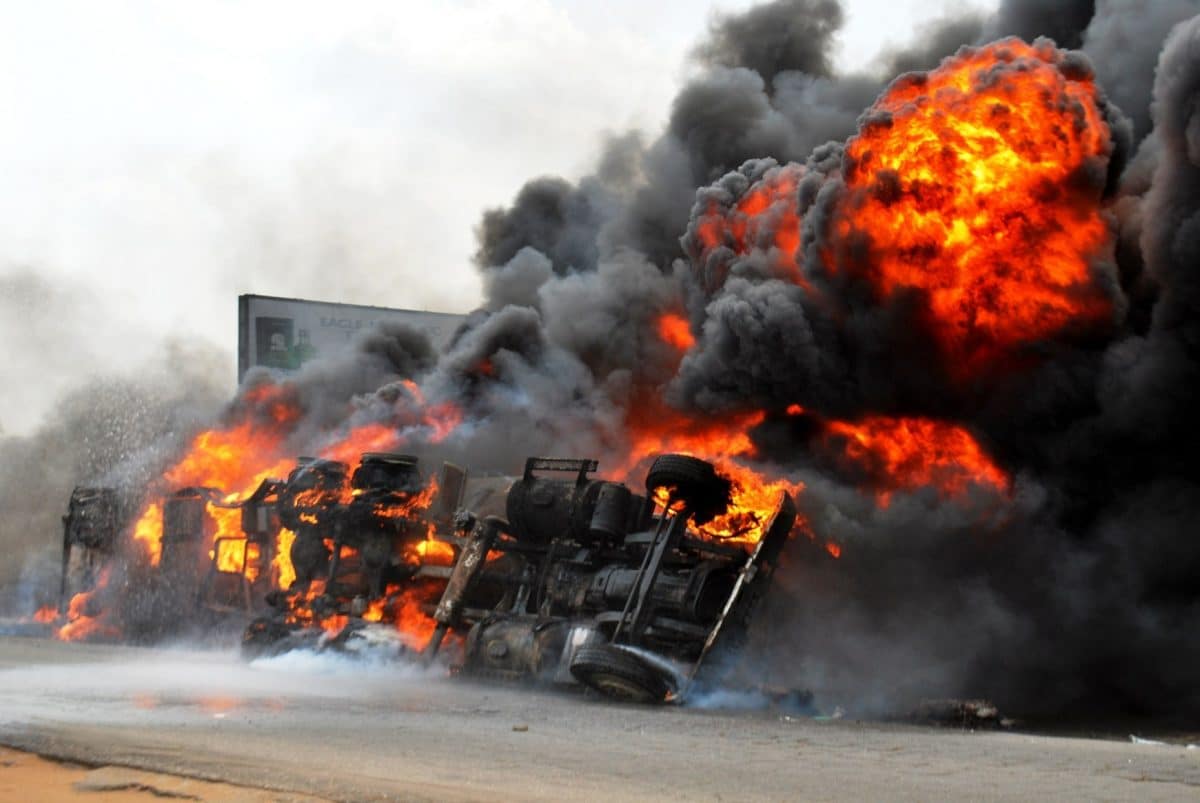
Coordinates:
344	730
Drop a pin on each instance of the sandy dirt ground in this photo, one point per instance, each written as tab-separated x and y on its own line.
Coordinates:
346	730
25	776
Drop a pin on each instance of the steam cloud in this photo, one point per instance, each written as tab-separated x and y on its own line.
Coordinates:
1075	592
116	430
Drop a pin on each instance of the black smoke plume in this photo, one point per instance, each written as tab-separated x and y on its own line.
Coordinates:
1072	595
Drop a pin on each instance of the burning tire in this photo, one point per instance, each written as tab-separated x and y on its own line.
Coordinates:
693	481
618	674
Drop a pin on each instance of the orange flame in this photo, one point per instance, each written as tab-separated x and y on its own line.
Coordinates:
300	610
766	219
415	626
909	453
394	607
675	330
406	608
436	553
413	506
367	438
148	532
725	443
238	458
970	192
285	573
752	503
236	556
655	428
440	419
83	622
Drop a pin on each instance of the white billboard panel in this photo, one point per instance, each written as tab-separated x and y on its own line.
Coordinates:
285	333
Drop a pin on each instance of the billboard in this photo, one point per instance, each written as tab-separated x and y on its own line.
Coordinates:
285	333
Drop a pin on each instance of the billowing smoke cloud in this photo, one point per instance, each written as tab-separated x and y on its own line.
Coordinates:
1017	601
1080	603
1061	20
775	38
935	41
778	99
1150	386
326	392
551	216
559	220
1123	40
764	342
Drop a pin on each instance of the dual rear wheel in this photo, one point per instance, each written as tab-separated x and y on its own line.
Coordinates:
619	674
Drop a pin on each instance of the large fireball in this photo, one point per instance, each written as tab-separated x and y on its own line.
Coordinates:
978	185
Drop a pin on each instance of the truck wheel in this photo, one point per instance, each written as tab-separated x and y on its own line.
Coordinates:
694	481
618	674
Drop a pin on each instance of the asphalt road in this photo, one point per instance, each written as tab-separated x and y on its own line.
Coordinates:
352	731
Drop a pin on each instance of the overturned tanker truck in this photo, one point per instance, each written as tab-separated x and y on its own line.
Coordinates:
557	577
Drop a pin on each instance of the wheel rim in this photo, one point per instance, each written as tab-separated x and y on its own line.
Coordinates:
620	688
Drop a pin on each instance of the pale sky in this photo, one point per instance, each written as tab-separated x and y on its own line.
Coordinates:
165	156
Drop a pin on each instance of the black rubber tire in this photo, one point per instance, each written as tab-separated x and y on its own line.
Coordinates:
695	481
618	674
679	470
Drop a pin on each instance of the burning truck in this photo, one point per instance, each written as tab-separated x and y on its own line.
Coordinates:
639	585
353	534
606	587
355	540
562	578
555	576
